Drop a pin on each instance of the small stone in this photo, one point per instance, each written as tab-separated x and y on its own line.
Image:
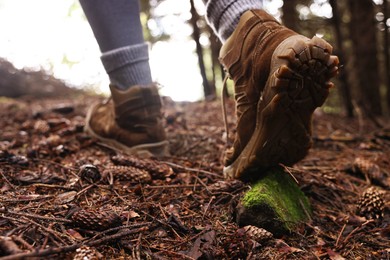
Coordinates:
19	160
89	173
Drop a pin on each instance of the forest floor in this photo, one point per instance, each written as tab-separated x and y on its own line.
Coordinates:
61	190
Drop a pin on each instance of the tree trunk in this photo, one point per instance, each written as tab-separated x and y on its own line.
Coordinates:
363	35
290	14
344	88
386	51
215	47
209	90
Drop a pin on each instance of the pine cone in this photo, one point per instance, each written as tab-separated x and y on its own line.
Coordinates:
157	170
371	204
87	253
41	126
129	173
96	220
260	235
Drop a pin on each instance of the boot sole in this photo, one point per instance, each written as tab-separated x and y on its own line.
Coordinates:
158	149
298	85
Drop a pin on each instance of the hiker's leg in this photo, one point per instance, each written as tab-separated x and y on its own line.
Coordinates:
280	77
224	15
132	120
118	31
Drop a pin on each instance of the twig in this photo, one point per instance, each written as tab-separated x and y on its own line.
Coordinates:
162	212
14	219
189	239
138	246
6	180
58	164
114	236
182	256
111	230
174	165
194	145
47	237
50	231
19	228
162	223
197	143
167	220
356	229
64	249
37	198
207	207
120	197
172	186
53	186
339	236
201	182
85	189
290	173
22	241
29	215
305	210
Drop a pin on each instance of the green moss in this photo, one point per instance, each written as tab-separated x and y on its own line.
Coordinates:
278	193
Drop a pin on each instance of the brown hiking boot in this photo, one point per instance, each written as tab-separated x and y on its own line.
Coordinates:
280	77
131	121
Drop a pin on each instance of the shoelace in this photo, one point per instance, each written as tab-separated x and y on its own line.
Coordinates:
224	113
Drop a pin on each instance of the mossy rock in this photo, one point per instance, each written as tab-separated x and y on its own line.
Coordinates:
274	202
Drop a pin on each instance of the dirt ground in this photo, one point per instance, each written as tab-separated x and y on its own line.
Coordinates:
63	195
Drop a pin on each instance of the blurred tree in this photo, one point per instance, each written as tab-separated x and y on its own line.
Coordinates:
217	69
290	14
147	15
209	90
196	22
339	50
386	48
363	35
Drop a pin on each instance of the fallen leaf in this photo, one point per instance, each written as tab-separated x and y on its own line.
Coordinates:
130	214
65	198
201	244
333	255
73	233
285	248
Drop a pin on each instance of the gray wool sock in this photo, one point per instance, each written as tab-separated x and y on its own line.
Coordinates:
224	15
128	66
